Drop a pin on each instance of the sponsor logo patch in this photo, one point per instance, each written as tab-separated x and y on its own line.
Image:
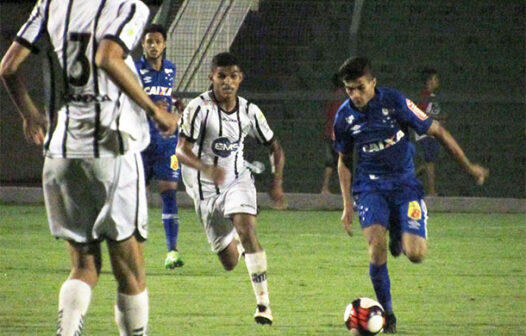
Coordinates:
223	147
416	111
174	163
414	211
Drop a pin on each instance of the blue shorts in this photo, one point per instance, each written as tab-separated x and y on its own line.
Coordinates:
160	161
401	209
430	148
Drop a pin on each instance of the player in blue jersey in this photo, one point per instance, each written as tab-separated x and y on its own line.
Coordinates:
157	75
374	122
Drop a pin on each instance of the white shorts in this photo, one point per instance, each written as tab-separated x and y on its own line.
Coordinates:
215	212
93	199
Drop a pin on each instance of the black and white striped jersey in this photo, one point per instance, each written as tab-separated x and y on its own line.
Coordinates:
92	122
218	138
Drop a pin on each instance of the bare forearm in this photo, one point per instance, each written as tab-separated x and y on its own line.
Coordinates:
277	160
450	144
12	80
124	78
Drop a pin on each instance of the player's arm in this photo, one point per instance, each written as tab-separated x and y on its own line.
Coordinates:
344	175
478	172
187	157
110	58
33	120
277	162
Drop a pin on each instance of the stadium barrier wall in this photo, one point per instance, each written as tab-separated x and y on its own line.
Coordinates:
304	201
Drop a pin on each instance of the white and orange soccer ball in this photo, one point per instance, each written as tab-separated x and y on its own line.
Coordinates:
364	317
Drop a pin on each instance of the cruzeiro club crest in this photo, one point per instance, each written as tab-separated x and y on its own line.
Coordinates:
223	147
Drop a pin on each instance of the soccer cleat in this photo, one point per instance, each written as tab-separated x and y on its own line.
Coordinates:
390	323
173	260
395	242
263	315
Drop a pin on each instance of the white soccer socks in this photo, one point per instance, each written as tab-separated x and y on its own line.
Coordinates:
131	314
73	302
257	269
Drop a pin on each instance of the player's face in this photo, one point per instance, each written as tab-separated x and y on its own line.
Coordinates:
434	83
360	90
226	80
153	45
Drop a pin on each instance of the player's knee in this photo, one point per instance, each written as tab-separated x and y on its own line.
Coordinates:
229	265
416	253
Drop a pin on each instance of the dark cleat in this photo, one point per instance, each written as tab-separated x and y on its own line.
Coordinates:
263	315
390	323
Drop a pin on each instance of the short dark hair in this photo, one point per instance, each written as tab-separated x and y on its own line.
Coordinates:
154	28
355	67
427	73
224	59
336	81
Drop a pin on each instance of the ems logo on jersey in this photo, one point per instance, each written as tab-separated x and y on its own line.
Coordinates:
414	211
223	147
416	111
174	163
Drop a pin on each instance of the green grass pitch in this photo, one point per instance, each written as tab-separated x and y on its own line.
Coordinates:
472	283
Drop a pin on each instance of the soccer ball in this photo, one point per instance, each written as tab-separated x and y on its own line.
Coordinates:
364	317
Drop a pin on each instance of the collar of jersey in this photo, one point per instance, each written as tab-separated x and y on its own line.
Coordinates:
234	110
148	66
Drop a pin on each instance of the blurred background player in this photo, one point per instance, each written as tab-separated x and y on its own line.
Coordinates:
375	121
157	76
92	178
330	108
427	102
210	148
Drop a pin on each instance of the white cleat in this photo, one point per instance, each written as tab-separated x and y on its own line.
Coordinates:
263	315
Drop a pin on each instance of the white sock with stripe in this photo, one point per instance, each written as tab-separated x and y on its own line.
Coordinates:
73	303
131	314
257	269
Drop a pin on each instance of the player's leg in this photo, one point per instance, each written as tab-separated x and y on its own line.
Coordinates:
256	261
131	308
170	217
373	211
167	171
327	173
75	292
413	218
430	147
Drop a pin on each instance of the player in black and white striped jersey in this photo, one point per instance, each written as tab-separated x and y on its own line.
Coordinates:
93	180
212	133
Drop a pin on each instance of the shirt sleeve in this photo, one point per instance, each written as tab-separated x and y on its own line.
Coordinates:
409	114
343	140
260	129
126	28
34	26
190	123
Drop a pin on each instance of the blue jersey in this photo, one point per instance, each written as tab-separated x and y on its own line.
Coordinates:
380	136
157	85
159	158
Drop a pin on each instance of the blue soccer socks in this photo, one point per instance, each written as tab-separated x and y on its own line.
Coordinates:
170	218
382	285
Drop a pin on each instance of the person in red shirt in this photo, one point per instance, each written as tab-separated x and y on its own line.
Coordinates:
330	109
428	103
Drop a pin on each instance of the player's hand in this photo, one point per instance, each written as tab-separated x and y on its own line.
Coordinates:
34	129
277	196
179	105
479	173
347	217
166	122
215	173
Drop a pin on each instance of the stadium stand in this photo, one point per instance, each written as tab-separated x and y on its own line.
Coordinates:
290	48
